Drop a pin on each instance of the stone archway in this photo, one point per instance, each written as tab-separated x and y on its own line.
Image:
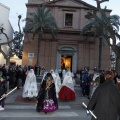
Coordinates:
67	51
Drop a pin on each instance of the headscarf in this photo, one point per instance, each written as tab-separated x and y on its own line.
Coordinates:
31	73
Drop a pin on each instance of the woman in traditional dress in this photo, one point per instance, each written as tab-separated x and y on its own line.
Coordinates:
47	101
67	91
30	87
57	82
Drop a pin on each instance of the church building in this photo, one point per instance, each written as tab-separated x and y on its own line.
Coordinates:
68	50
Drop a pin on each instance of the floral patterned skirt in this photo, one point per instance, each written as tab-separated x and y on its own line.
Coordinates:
49	106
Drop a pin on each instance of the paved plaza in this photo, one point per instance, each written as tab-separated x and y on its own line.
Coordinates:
17	108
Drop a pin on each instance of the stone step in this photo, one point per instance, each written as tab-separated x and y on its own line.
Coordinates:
31	107
34	114
19	111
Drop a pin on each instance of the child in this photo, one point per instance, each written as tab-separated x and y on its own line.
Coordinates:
2	91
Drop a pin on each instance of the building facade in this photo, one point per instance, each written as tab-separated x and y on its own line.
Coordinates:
68	50
5	23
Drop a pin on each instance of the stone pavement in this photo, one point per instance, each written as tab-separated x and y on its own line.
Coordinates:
16	98
23	109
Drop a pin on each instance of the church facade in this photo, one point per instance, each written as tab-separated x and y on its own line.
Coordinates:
68	50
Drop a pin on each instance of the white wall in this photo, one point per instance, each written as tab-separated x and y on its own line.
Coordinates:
4	19
2	60
16	60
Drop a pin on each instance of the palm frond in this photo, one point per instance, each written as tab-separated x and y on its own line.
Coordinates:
41	19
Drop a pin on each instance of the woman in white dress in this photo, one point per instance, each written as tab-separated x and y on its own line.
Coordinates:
30	87
67	90
57	82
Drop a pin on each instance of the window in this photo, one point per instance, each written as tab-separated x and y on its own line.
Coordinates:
68	19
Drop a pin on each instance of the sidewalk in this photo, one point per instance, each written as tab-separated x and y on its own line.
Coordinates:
16	98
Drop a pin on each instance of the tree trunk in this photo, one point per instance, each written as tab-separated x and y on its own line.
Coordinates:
118	64
38	51
38	54
100	53
8	61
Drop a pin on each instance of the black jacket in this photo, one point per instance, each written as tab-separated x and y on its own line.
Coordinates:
3	88
105	101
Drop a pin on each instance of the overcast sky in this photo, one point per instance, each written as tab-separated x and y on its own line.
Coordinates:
16	7
19	7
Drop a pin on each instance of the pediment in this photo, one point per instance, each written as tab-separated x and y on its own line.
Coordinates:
70	3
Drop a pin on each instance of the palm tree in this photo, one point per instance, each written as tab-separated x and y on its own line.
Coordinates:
98	29
39	22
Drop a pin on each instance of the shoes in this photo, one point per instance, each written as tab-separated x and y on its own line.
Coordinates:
1	108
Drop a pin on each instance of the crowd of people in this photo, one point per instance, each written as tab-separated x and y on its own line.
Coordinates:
101	87
106	99
52	87
103	90
91	79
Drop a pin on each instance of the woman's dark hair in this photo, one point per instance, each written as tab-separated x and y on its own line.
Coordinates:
111	77
49	75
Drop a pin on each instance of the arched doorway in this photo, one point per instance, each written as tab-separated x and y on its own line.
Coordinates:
67	58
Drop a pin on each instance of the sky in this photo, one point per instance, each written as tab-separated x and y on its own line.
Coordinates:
16	7
19	7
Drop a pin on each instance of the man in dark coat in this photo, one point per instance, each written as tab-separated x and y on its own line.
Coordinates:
2	91
106	100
